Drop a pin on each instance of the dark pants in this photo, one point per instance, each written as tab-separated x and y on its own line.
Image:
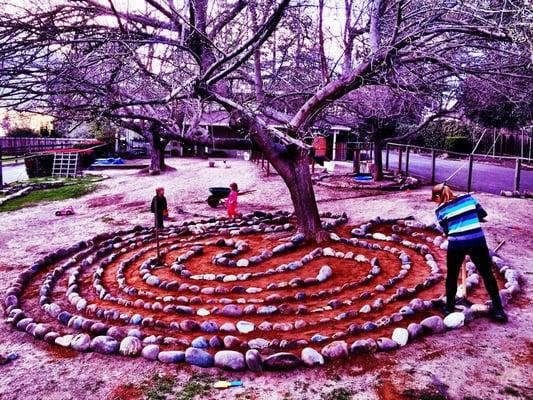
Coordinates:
479	254
159	220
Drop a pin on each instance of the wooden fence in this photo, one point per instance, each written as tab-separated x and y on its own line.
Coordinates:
16	146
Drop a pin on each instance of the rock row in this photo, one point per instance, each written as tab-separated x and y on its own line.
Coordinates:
249	293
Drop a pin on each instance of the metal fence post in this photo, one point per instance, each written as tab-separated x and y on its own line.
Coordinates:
470	167
387	156
1	174
400	153
433	164
407	151
517	175
357	161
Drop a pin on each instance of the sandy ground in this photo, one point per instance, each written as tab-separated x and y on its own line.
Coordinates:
480	361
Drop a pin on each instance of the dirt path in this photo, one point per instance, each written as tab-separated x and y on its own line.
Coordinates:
480	361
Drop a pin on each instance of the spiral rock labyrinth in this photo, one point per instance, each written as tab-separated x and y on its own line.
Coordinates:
245	294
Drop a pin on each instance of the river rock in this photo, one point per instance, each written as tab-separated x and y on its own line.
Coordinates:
232	310
400	336
198	357
415	330
209	326
335	350
200	343
325	273
130	346
245	326
362	346
253	360
454	320
433	324
104	345
171	357
229	359
150	352
258	343
64	340
282	361
81	342
386	344
311	357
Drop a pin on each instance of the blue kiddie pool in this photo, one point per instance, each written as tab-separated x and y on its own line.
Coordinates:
363	178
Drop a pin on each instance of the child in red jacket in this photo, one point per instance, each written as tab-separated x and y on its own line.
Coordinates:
231	202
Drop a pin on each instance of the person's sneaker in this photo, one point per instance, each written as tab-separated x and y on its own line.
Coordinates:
499	316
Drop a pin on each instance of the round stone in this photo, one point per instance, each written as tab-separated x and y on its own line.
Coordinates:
454	320
64	341
282	361
81	342
415	331
171	356
229	359
400	336
150	352
200	343
258	343
386	344
245	326
254	361
104	345
335	350
311	357
209	326
362	346
231	310
130	346
433	324
325	273
198	357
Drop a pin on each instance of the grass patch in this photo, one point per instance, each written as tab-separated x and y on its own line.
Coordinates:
338	394
197	386
158	387
73	188
162	387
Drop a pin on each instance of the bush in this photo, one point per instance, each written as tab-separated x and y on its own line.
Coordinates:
39	165
458	144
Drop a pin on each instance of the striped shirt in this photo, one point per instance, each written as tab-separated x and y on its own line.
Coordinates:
460	217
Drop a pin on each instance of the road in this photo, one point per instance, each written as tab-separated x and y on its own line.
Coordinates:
488	178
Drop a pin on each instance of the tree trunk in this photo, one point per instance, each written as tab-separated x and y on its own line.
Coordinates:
157	154
295	173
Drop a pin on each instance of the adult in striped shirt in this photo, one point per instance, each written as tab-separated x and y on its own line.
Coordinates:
459	217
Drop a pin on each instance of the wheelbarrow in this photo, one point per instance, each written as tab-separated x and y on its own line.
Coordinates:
217	194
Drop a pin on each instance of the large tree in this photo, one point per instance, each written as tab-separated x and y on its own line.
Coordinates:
161	65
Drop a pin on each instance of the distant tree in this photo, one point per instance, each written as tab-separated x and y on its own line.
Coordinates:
22	132
158	67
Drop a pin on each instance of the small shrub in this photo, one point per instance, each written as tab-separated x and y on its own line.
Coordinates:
458	144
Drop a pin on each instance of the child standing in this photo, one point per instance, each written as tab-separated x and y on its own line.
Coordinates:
459	217
159	206
231	203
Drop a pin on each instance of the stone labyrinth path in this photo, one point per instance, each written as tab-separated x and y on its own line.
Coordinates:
248	293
